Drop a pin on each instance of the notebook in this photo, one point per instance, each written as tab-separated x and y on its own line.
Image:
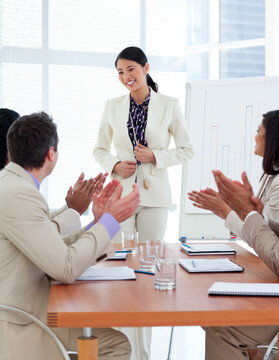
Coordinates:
244	289
210	265
108	273
208	249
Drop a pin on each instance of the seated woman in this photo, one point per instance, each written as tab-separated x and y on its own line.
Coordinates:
7	117
267	146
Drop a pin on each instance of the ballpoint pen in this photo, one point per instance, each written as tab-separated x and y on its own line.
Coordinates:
188	246
123	251
144	272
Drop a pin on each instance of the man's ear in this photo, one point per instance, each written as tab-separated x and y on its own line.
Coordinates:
51	153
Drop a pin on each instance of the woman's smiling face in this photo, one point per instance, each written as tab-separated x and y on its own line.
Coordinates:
132	75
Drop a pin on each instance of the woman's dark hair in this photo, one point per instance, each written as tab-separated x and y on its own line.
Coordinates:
7	117
134	53
271	150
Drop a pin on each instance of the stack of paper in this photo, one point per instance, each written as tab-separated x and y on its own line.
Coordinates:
108	273
208	249
118	256
214	265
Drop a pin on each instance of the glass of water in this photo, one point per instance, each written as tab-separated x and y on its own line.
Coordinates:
130	241
165	274
146	262
161	245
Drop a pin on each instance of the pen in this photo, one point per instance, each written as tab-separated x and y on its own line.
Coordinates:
188	246
123	251
144	272
193	263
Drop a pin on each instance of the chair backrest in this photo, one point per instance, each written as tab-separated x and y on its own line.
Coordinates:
41	324
270	347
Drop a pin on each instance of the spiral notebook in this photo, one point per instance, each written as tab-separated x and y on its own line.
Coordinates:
244	289
210	265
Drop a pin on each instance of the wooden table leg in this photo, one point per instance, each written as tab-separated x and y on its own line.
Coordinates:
87	346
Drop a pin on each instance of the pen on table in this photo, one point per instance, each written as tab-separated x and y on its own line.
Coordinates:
193	263
144	272
188	246
123	251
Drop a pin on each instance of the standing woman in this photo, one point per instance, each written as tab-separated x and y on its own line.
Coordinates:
140	125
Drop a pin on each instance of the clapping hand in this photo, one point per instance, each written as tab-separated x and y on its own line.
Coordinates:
209	199
238	196
110	201
80	196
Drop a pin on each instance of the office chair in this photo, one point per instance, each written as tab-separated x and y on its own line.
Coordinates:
272	350
170	343
43	326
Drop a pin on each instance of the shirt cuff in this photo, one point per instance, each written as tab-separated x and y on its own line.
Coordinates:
250	213
265	219
89	226
110	223
76	212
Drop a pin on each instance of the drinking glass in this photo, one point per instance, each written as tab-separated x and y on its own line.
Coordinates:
130	241
146	262
165	274
161	245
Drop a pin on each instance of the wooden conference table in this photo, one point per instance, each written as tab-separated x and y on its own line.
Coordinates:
137	303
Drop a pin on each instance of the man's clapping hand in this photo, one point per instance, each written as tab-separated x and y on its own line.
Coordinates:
110	201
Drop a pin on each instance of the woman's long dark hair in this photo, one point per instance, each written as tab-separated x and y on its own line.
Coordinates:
271	150
134	53
7	117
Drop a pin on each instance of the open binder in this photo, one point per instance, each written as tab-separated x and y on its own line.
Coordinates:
208	249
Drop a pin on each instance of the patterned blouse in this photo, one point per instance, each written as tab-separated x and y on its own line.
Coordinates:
137	121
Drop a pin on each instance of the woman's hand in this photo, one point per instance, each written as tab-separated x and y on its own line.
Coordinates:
210	200
144	154
125	169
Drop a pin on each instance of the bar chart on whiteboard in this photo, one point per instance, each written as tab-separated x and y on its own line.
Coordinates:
223	118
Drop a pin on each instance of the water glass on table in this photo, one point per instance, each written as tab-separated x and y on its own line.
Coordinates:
165	274
148	258
161	246
130	240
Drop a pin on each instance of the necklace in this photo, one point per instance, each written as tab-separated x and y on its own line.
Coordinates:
139	164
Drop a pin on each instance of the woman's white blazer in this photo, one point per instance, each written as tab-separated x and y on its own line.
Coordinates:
165	120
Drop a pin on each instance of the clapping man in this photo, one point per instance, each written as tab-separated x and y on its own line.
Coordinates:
32	251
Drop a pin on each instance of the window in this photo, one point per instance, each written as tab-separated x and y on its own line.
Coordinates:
59	56
226	38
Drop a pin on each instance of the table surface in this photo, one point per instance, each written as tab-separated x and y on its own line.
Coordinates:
138	303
